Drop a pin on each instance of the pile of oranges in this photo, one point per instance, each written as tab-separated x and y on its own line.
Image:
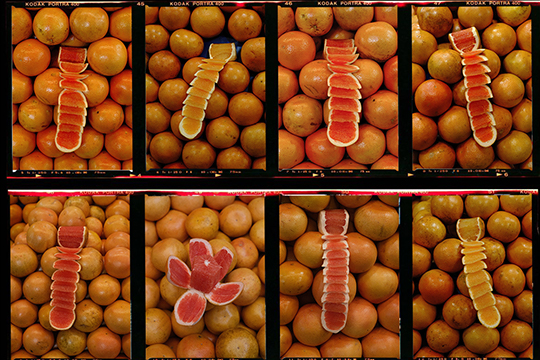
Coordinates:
303	87
234	129
236	330
107	136
372	328
442	136
445	321
103	312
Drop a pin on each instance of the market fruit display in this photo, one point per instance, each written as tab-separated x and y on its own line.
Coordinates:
205	87
205	276
472	273
70	276
71	88
339	276
472	85
337	88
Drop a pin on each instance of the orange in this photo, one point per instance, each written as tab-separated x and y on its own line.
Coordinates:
218	103
503	226
470	155
116	260
387	14
89	24
433	97
157	117
321	151
21	87
381	109
285	21
21	24
291	150
307	327
370	75
164	65
23	141
190	67
370	146
91	144
376	40
423	45
436	20
103	343
207	21
186	44
352	17
509	280
98	88
287	84
515	148
120	24
117	317
458	312
494	63
302	115
156	38
165	147
313	79
34	115
418	76
447	255
43	29
521	116
518	205
523	33
295	49
119	143
31	57
341	345
424	131
523	306
234	78
174	17
107	56
121	87
253	54
195	345
172	92
388	313
381	343
519	252
508	90
315	21
37	340
253	140
245	109
70	161
442	338
454	125
500	38
477	16
445	65
363	252
376	220
519	63
152	86
244	24
377	284
198	154
436	286
104	161
514	15
503	120
390	70
107	117
222	132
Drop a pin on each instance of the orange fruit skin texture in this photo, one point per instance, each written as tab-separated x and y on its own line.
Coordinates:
102	326
234	222
106	33
303	87
439	281
175	38
372	325
505	34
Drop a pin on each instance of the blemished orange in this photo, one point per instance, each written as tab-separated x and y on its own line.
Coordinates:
103	343
470	155
21	24
47	34
198	154
370	146
454	125
172	92
350	18
244	24
23	141
119	143
258	86
174	17
45	142
253	54
381	109
313	79
165	147
295	49
287	84
31	57
106	117
121	87
107	56
22	87
156	38
164	65
315	21
438	156
436	286
36	161
390	70
158	117
291	150
285	20
89	24
34	115
302	115
433	97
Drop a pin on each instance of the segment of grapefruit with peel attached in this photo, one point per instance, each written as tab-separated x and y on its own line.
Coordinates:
475	69
482	92
336	103
485	136
465	40
71	67
72	98
224	293
473	59
489	316
476	80
342	59
225	51
333	222
72	54
68	137
72	236
345	81
342	69
61	318
479	107
470	229
190	307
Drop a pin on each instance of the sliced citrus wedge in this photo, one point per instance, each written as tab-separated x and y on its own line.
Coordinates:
344	81
471	229
330	50
472	249
343	69
479	107
72	54
465	40
346	43
72	98
72	67
344	93
196	101
189	127
193	112
73	85
76	110
212	64
73	119
336	103
199	92
342	133
489	316
485	136
483	120
472	258
477	291
212	75
342	59
343	115
476	80
474	267
68	137
226	51
475	69
474	59
482	92
484	301
203	84
476	278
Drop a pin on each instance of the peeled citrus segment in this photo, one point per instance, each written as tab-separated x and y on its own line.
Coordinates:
489	316
343	69
61	319
344	81
72	98
224	258
346	43
483	120
342	133
189	308
484	301
476	278
476	80
199	92
344	93
72	67
72	119
475	59
485	136
342	59
189	127
475	69
343	116
212	75
344	104
196	101
75	110
72	54
212	64
472	258
225	52
477	291
471	229
482	92
474	267
225	293
203	84
479	107
465	40
73	85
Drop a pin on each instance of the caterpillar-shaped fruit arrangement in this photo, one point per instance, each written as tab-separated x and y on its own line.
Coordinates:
343	92
72	101
476	81
66	277
335	299
477	279
201	88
